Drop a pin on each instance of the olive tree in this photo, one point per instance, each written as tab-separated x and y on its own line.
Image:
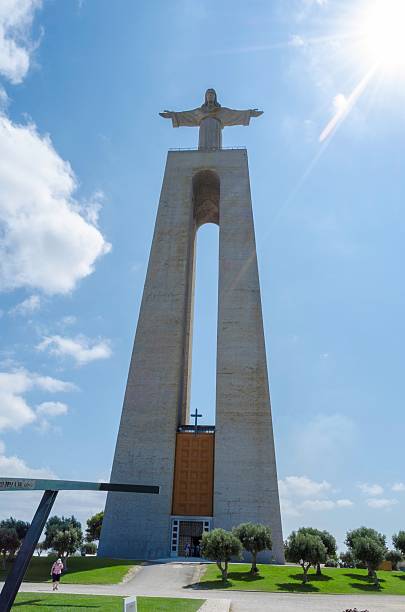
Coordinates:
305	549
327	539
371	552
94	524
395	556
365	532
9	543
63	535
398	540
88	548
21	527
254	538
220	546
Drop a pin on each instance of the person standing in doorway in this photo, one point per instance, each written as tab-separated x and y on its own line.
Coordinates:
56	571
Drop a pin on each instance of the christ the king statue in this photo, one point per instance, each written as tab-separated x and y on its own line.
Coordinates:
210	117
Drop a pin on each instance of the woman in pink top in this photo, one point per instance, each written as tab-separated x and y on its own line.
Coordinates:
56	570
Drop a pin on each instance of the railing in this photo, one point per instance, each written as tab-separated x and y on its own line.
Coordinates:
200	429
208	149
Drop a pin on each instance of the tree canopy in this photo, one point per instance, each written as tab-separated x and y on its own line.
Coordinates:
327	539
395	556
371	552
94	524
64	535
21	527
364	532
220	546
9	543
254	538
305	549
398	540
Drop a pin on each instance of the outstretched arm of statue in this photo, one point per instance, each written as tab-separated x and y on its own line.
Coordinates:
230	116
190	118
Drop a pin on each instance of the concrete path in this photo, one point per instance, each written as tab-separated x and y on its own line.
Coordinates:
171	579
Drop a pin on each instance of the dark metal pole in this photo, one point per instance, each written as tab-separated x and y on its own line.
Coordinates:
21	562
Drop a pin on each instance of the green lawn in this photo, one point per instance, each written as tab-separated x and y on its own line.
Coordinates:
81	570
65	603
288	578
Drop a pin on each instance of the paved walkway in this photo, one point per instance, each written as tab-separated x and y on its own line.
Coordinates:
171	579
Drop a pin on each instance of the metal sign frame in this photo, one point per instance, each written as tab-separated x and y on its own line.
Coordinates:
51	489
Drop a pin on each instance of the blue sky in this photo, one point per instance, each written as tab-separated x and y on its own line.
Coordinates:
81	163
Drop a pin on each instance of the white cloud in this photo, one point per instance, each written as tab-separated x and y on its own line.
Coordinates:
371	489
294	490
301	486
47	243
52	385
52	408
381	502
81	349
15	42
27	306
14	466
15	412
23	505
289	507
344	503
398	487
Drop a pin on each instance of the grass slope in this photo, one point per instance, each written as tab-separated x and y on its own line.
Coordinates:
81	570
289	579
65	603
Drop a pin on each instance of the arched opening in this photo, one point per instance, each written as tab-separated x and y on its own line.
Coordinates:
206	193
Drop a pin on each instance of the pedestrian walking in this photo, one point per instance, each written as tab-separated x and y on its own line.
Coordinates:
56	571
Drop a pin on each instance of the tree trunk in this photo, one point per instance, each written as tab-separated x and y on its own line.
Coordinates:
4	561
318	569
305	576
253	569
223	570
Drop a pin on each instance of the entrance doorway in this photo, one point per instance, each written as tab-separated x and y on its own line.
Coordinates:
186	536
190	535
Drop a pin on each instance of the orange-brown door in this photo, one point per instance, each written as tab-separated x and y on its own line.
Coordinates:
193	475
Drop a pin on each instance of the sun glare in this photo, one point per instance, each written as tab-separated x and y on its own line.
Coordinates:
384	33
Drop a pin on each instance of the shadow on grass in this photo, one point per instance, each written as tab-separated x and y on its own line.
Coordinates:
363	578
399	576
367	588
43	605
209	584
311	577
297	588
244	577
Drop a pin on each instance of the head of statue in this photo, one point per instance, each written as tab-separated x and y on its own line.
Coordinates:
211	99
